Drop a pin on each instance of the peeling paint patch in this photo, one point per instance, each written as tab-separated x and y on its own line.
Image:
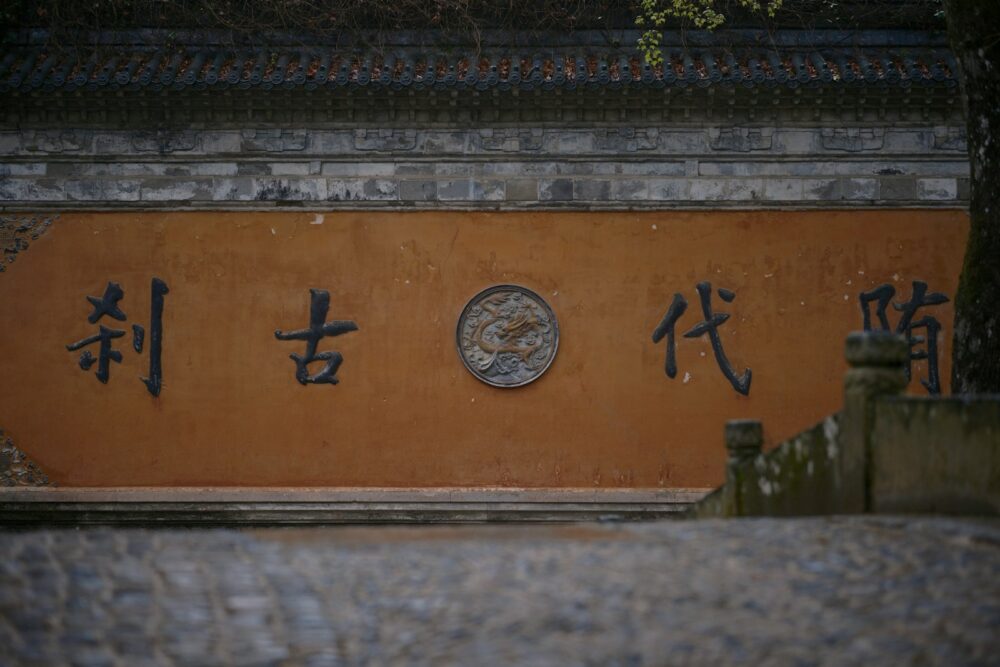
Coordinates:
16	469
318	220
17	232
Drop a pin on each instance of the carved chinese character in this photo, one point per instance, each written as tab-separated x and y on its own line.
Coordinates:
710	325
906	325
318	329
107	305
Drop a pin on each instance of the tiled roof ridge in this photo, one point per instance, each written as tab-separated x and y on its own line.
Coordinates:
806	38
35	68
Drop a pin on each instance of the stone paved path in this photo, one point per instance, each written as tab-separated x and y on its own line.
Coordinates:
862	591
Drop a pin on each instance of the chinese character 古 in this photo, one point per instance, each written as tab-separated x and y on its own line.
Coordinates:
318	329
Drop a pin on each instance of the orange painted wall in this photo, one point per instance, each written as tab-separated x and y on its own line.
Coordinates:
406	412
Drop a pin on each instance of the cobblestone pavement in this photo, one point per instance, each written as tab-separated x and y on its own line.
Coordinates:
873	591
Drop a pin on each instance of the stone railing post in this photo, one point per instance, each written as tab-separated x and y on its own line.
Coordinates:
744	441
877	361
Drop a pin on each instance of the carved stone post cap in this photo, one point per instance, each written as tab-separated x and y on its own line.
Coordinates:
745	436
876	348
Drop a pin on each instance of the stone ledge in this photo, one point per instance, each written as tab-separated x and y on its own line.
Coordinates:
429	205
280	506
666	141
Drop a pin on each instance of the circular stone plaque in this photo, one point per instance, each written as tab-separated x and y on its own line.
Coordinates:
507	336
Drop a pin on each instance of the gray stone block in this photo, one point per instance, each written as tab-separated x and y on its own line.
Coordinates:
796	142
569	142
253	169
117	189
853	189
520	168
172	190
821	189
683	141
937	189
735	168
853	139
326	143
196	169
23	189
740	139
55	141
385	140
221	142
707	189
522	190
10	143
950	139
574	168
668	189
459	190
606	168
444	142
782	189
511	140
233	189
897	188
293	168
460	169
560	189
629	190
592	190
161	141
345	189
418	190
363	169
115	144
273	141
23	169
627	140
652	168
289	189
744	189
380	189
489	190
964	189
909	140
425	169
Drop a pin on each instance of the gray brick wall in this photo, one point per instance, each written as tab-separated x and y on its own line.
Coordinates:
602	167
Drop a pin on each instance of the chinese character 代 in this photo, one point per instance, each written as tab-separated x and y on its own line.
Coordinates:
710	325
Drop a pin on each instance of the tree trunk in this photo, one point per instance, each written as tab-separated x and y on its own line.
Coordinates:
974	32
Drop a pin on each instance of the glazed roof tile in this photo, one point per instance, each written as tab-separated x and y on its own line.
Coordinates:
28	69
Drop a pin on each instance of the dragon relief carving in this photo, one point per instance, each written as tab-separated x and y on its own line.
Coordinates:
507	336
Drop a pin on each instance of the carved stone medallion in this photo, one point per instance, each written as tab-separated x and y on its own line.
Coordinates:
507	336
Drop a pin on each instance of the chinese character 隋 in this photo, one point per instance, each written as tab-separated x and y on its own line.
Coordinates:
907	324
